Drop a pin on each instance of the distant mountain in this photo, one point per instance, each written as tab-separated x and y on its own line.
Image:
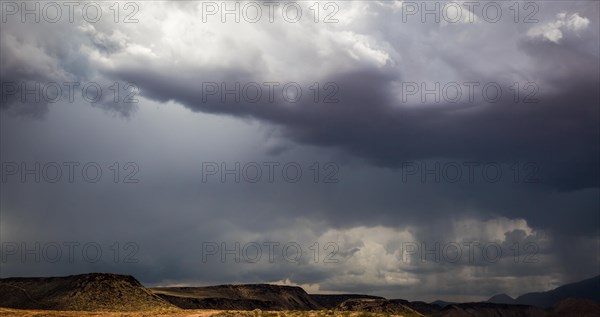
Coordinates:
586	289
85	292
501	299
442	303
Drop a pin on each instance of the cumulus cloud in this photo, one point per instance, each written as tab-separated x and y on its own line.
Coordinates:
552	31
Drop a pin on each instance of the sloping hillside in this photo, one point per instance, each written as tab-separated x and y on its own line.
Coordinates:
575	308
86	292
396	307
490	310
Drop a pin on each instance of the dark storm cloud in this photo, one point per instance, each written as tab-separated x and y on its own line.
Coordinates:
370	120
51	66
558	132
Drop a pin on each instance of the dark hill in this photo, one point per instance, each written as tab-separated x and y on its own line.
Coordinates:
442	303
86	292
501	299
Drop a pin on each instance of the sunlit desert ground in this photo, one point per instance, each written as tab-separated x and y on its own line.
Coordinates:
186	313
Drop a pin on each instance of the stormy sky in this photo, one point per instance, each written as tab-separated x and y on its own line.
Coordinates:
417	150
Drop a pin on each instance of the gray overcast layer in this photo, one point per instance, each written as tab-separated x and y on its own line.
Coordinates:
400	168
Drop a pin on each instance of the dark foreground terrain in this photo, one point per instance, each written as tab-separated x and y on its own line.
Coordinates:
103	294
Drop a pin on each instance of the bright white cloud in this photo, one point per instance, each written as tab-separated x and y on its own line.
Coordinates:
553	31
